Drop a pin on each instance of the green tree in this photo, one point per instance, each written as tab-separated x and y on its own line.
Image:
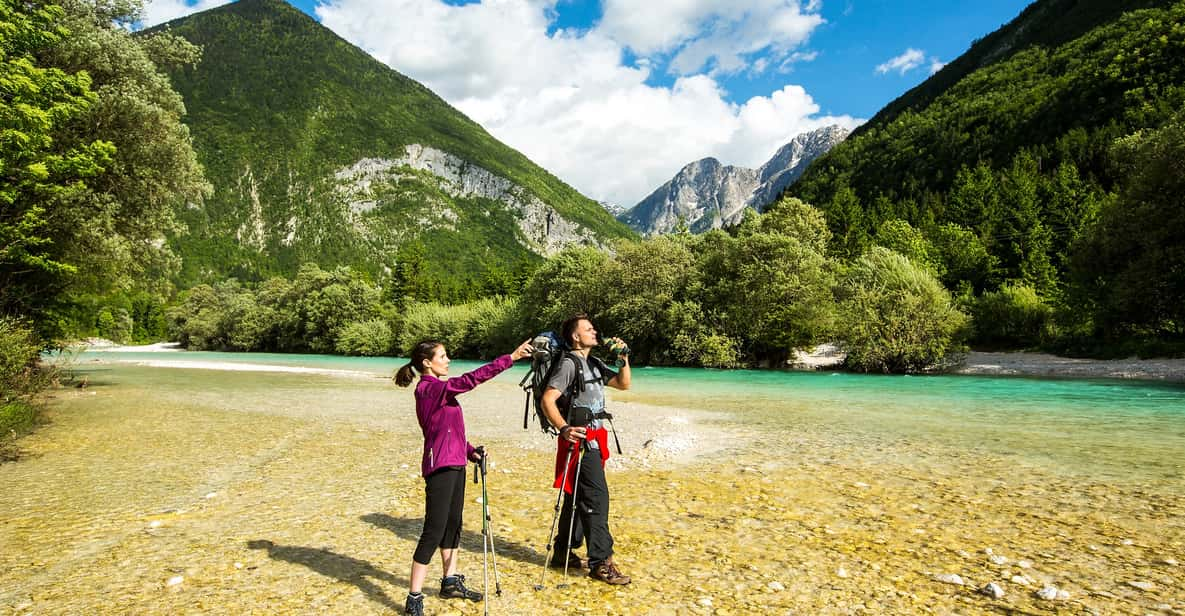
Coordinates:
1025	241
642	280
900	237
1015	316
966	263
571	281
895	316
120	225
1133	259
769	290
42	175
792	217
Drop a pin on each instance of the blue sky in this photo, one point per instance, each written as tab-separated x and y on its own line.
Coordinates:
615	96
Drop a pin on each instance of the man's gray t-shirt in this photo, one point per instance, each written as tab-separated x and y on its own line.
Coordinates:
593	396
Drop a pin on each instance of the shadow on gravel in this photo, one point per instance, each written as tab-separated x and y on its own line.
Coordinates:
338	566
409	528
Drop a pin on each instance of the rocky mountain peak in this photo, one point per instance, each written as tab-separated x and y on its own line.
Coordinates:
707	194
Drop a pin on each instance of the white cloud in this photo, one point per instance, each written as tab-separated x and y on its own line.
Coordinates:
567	100
907	61
160	11
721	34
936	65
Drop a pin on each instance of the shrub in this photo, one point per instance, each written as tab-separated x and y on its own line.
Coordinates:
20	378
369	338
447	324
895	316
1013	316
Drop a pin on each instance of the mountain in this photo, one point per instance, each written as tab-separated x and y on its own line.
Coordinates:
708	195
1013	139
318	152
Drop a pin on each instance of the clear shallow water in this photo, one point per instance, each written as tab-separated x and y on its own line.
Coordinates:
1102	428
154	473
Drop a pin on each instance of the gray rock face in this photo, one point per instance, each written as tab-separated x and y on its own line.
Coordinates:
706	195
543	229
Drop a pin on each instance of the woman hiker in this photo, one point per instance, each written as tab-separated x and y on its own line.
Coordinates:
446	451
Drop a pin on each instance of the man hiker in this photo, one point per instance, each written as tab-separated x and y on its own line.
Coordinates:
584	448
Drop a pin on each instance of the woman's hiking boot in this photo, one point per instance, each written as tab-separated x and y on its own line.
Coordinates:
574	562
608	573
414	605
453	587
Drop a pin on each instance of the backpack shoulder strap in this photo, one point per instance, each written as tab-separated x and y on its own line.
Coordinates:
606	372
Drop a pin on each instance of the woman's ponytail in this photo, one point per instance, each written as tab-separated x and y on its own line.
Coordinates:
421	352
405	375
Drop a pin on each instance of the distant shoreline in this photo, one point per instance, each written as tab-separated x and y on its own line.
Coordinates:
1019	363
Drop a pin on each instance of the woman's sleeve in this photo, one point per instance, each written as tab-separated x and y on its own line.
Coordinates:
469	380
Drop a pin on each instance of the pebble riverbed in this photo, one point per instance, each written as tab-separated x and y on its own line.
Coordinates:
158	491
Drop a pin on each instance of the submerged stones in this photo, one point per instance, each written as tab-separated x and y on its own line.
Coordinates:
950	578
1052	593
992	590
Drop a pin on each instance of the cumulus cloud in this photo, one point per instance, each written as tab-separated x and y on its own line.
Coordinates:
160	11
568	100
907	61
936	65
722	35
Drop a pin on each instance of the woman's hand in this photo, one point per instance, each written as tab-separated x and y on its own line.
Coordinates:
524	350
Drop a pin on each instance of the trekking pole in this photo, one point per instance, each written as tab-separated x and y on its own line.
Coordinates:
487	527
559	495
572	522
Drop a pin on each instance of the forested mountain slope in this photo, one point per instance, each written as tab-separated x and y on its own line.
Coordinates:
319	153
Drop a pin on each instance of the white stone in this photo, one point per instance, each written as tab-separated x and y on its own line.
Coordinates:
950	578
843	573
175	580
775	586
992	590
211	494
705	601
1053	593
998	560
1024	564
154	524
1021	580
1142	585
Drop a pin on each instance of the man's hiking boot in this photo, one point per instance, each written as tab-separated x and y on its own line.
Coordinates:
608	573
574	562
453	587
414	605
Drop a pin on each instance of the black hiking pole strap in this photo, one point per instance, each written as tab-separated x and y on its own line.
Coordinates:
615	439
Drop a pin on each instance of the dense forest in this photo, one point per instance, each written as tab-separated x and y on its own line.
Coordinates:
1049	148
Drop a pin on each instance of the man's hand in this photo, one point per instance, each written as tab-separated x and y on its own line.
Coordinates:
617	346
573	434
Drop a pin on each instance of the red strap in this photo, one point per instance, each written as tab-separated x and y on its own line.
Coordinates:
600	435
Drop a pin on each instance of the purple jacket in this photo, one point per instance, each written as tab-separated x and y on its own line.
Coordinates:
440	415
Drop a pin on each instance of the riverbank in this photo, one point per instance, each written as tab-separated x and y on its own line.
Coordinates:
828	356
182	491
1022	363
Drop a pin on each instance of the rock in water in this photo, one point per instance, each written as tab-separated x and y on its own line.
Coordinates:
1053	593
950	578
992	590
